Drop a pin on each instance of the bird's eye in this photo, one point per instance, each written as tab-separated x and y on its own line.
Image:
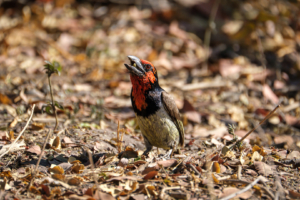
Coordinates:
148	67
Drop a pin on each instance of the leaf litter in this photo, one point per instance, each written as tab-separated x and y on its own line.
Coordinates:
253	65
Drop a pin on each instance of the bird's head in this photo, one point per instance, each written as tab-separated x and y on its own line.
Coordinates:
142	73
143	77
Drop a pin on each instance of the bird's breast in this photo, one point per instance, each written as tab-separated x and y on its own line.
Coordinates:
159	129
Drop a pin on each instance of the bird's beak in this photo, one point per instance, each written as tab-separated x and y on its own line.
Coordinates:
135	66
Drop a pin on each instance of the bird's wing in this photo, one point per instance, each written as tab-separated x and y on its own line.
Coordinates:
171	108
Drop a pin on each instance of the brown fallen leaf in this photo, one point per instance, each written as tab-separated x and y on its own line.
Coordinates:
216	167
294	195
193	116
229	69
289	140
55	192
74	181
6	174
34	190
176	31
150	175
129	153
11	135
77	168
292	120
264	169
101	195
162	163
37	126
14	122
56	143
293	154
45	189
89	191
57	170
4	99
35	149
60	177
4	135
269	94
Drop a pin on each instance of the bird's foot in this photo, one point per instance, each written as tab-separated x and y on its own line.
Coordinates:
166	156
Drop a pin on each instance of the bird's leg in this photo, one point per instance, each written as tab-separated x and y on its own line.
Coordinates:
170	152
178	151
148	146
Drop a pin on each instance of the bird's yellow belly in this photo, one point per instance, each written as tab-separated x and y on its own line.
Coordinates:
159	129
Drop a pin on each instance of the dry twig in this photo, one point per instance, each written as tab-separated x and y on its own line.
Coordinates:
250	185
119	139
162	194
239	172
260	123
13	144
194	169
211	26
93	168
210	184
39	160
279	189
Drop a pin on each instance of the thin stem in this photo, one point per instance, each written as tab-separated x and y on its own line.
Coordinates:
93	168
260	123
39	160
209	29
52	104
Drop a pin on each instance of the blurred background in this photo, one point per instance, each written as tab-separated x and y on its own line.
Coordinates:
225	62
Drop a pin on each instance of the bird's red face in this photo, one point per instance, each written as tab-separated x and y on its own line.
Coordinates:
143	77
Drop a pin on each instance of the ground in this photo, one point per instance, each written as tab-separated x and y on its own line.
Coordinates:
225	81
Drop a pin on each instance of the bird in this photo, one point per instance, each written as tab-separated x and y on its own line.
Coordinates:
156	112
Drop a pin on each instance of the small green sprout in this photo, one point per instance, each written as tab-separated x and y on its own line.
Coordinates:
50	108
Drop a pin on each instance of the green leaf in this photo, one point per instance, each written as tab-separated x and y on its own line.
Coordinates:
48	109
58	105
52	68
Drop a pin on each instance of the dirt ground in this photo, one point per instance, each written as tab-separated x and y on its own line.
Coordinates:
225	80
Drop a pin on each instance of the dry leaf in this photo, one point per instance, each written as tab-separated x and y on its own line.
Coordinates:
14	122
11	135
56	143
150	175
216	167
5	100
215	179
74	181
264	169
60	177
293	154
294	195
77	168
35	149
56	192
256	157
229	69
37	126
269	94
57	170
101	195
45	189
34	190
